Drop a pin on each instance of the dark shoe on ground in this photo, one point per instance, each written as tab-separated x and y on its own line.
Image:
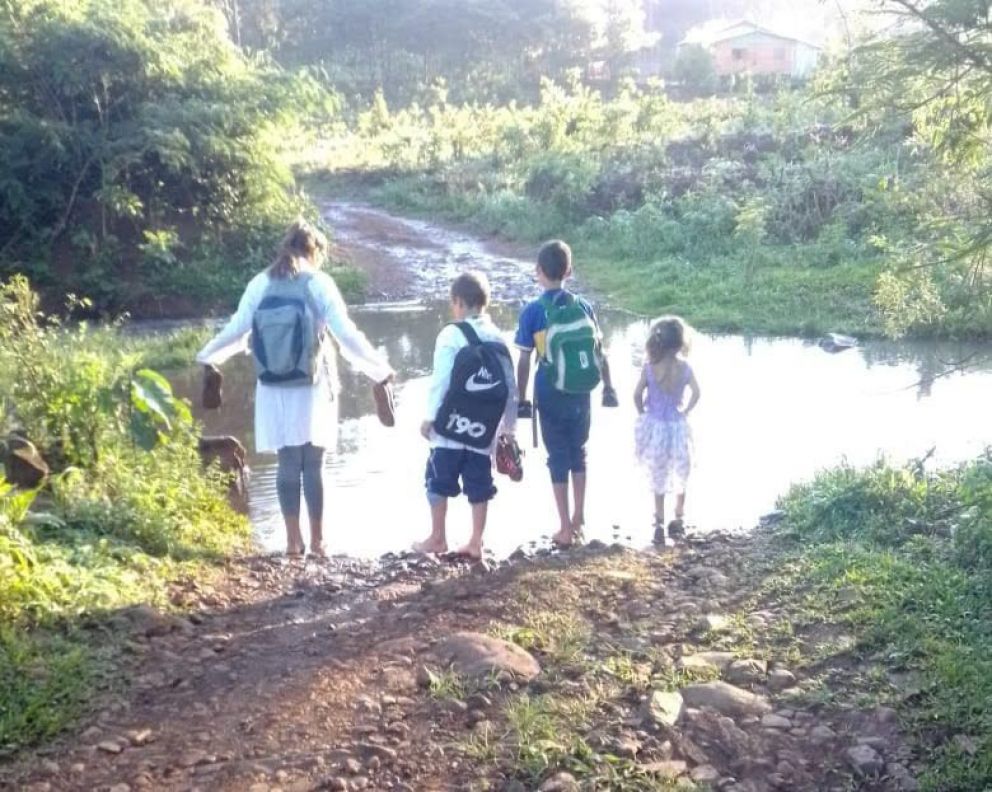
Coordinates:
659	533
676	529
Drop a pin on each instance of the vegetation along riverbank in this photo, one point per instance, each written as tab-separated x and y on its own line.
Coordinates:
122	508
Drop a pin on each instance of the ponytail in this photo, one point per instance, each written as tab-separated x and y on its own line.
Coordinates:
301	244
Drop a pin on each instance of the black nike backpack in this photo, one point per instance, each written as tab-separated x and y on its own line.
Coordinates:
476	399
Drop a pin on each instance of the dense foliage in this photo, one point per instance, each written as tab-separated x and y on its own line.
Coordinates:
124	511
138	149
742	212
778	213
903	556
931	71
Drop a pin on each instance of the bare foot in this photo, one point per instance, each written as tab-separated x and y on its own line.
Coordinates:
295	551
472	551
431	546
318	551
578	523
564	538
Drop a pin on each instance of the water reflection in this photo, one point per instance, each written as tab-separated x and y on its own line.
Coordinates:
772	412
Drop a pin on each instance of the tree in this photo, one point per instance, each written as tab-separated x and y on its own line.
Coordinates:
932	70
128	125
695	71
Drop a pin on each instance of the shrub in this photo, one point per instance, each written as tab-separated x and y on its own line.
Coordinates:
133	135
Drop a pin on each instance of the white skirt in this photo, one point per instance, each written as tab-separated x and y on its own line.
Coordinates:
665	449
293	416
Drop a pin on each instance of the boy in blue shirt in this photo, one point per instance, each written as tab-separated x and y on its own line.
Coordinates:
564	417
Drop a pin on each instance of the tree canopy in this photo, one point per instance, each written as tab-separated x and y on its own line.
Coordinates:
128	128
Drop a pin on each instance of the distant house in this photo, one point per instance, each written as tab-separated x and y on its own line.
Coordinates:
746	48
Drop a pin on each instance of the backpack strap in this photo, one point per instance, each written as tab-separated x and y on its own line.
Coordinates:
469	332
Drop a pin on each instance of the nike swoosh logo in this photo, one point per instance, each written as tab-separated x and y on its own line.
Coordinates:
472	386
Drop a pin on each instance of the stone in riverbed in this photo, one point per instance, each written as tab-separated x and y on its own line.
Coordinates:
780	679
670	769
664	708
865	760
747	672
776	722
477	655
822	733
705	661
726	699
561	782
711	622
705	774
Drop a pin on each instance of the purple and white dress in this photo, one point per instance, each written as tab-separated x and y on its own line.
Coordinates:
662	437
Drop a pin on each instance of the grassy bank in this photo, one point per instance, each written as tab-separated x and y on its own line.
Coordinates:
756	213
124	511
901	559
781	291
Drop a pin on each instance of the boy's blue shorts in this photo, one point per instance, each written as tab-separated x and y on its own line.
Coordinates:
565	420
446	465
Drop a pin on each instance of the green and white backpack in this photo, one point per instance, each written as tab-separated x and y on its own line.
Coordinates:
572	352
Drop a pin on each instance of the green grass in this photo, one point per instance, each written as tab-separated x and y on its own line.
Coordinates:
716	295
125	511
45	683
877	557
789	291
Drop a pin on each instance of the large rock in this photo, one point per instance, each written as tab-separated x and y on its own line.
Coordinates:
664	708
478	655
561	782
726	699
865	760
780	679
836	342
711	622
23	464
747	672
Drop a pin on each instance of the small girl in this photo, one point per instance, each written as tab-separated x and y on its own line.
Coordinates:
662	437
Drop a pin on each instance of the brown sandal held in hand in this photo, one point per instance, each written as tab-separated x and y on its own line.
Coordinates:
213	384
385	408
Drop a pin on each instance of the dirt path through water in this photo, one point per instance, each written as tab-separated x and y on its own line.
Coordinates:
407	259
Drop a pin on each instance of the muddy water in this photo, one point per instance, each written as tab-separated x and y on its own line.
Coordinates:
773	412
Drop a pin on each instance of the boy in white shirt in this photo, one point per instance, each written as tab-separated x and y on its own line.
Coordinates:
472	400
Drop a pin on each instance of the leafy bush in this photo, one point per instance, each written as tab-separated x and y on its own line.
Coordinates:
911	552
136	140
129	510
890	506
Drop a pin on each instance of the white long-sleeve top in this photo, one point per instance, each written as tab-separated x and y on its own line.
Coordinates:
449	341
290	416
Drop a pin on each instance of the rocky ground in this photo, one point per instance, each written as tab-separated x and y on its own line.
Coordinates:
598	668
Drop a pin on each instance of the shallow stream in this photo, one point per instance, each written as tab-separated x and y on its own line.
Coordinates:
773	411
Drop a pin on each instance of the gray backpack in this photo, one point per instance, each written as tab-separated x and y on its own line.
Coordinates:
285	333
